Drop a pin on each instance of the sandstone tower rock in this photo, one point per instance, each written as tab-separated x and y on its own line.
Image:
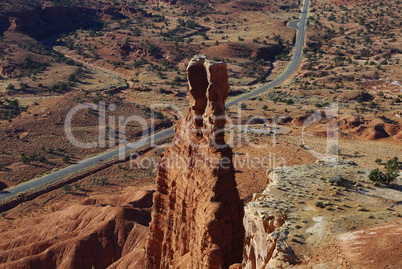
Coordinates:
197	213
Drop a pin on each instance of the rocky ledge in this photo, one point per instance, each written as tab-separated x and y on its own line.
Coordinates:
309	216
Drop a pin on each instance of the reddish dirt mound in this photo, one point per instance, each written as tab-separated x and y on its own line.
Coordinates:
370	132
229	50
378	247
299	120
366	128
242	50
371	129
97	232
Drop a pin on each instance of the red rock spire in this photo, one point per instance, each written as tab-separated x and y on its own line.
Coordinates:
197	213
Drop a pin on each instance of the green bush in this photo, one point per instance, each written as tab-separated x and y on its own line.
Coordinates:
392	166
10	87
378	176
41	159
100	181
25	159
289	101
67	158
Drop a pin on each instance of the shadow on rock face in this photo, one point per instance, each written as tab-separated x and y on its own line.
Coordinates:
3	186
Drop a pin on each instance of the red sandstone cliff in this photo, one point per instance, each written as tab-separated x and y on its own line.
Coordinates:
197	213
101	232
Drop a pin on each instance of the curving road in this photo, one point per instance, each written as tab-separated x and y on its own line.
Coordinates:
90	163
300	26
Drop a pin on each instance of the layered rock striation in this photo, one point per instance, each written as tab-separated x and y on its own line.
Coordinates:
101	232
197	213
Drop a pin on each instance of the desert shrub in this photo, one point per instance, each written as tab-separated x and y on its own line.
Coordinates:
60	87
25	159
41	159
72	77
392	167
100	181
67	189
392	164
289	101
24	86
339	181
10	87
319	204
67	158
378	176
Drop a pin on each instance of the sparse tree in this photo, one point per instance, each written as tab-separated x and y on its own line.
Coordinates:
25	159
67	158
41	159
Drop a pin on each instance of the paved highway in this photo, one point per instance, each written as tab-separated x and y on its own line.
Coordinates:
89	163
301	28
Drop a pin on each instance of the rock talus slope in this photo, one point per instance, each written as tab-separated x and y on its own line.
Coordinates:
197	213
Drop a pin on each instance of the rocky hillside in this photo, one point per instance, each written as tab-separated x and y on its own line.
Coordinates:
319	216
44	22
364	127
97	233
197	213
